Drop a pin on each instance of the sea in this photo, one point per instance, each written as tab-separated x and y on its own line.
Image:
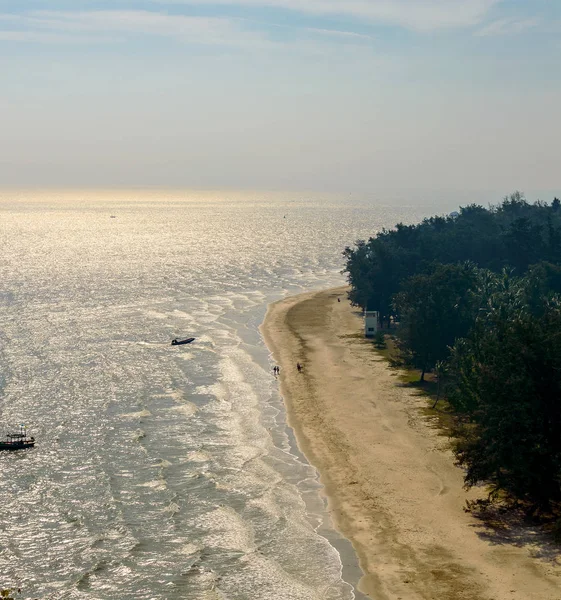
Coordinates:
164	472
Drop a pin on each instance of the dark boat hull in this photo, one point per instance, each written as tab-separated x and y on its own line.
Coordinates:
16	445
181	342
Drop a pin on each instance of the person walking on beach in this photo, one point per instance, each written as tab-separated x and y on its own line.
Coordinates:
299	367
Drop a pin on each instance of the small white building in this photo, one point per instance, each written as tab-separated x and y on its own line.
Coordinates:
370	323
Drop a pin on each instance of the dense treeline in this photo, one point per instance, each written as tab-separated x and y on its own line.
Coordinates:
477	296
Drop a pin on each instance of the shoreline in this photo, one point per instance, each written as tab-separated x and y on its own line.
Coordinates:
391	485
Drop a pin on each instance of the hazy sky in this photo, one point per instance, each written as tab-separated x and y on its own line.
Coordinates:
306	94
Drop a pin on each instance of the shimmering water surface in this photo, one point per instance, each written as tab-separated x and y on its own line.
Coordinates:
162	472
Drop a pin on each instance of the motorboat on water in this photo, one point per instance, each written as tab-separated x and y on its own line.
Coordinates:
17	441
178	342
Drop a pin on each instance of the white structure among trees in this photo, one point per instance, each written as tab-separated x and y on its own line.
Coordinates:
370	323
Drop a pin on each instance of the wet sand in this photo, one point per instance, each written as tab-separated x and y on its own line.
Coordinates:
392	487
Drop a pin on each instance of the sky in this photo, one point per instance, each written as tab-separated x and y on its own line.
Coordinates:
325	95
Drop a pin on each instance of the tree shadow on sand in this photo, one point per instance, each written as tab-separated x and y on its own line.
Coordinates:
503	521
500	524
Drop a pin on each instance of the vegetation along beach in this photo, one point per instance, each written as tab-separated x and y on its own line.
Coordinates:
395	479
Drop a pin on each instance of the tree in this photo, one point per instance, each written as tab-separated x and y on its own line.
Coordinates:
524	244
507	389
435	309
375	270
441	370
380	340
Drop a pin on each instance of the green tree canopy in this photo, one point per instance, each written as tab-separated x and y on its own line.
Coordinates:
507	387
434	309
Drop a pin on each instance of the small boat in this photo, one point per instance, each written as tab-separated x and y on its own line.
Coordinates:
17	441
178	342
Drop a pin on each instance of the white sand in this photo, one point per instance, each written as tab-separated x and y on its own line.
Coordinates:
389	476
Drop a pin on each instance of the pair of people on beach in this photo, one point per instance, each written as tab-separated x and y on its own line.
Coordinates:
276	370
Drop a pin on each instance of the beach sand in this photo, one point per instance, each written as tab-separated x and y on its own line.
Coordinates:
392	487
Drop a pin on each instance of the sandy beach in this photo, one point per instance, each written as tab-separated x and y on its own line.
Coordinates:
392	487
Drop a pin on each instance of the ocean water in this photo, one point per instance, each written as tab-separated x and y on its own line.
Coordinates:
162	472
